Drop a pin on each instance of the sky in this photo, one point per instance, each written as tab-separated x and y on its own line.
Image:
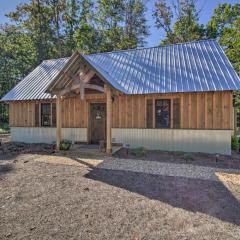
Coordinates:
207	7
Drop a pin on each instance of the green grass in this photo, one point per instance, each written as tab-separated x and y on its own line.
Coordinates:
4	128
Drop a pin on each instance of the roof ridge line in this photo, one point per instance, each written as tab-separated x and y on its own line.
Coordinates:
51	59
159	46
135	49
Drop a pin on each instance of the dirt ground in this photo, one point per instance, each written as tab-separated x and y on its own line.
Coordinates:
44	195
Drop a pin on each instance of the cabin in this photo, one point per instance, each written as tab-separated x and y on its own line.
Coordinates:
177	97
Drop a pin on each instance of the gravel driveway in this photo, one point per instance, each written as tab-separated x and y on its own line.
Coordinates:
166	169
61	197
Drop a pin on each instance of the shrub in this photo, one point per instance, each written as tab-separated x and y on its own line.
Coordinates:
179	153
138	152
235	143
65	144
188	157
4	128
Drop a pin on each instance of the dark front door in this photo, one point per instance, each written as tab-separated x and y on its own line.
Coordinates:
97	122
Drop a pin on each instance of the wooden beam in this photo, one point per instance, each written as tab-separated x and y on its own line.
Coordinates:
59	122
87	77
109	119
75	79
82	90
95	87
81	85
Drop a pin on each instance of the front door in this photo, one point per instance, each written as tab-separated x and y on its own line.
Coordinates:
97	122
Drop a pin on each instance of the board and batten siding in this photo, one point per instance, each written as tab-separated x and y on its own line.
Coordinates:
208	110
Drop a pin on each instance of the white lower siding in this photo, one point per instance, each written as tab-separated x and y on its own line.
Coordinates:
208	141
46	135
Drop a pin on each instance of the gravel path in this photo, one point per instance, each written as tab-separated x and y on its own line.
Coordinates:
165	169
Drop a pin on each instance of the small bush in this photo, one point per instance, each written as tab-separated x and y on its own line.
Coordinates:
188	157
235	143
138	152
65	144
179	153
4	128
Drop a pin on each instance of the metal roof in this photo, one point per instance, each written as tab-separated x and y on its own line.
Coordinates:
34	85
187	67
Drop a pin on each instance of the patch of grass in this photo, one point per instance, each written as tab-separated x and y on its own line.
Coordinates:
4	128
137	152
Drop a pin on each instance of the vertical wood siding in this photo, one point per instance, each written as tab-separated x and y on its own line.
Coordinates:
209	110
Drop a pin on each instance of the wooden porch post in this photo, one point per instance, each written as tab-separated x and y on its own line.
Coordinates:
109	119
59	122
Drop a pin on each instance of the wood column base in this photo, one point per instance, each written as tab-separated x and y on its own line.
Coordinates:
109	151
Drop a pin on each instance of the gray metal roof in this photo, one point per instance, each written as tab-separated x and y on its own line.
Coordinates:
188	67
34	85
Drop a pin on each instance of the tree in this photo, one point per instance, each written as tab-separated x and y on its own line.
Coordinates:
110	16
121	24
135	24
34	19
55	10
71	22
17	58
185	28
87	38
224	25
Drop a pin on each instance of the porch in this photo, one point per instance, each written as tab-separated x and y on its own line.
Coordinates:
79	78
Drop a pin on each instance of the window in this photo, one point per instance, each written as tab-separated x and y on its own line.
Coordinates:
162	113
45	114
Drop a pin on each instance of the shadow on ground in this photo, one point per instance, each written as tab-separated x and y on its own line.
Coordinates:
196	195
5	168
